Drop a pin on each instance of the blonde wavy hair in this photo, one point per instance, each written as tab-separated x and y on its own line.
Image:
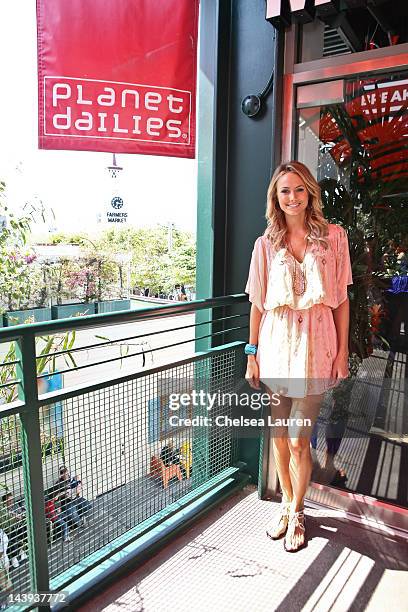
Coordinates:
316	224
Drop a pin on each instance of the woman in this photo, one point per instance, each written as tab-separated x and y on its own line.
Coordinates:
298	343
56	517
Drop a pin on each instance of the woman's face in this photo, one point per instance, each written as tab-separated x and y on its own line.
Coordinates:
293	196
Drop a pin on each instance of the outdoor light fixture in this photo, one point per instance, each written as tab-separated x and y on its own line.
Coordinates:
252	104
114	169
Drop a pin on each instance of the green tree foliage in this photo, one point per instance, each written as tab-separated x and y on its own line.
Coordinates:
160	257
16	257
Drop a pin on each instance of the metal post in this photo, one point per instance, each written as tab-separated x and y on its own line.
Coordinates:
213	128
32	465
201	435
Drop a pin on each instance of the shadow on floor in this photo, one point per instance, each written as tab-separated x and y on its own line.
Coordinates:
225	561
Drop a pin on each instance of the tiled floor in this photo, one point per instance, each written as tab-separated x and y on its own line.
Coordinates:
226	562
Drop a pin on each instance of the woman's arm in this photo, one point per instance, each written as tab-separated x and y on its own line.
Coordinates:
254	321
252	372
341	316
256	289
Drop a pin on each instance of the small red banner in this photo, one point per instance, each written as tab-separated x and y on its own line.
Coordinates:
118	75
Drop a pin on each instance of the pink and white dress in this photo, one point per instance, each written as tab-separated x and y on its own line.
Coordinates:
297	341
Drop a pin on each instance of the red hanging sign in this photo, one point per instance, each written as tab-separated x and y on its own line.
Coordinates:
118	75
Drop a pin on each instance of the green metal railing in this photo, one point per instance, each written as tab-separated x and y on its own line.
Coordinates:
108	421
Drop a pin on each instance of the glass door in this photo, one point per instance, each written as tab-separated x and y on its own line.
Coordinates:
353	134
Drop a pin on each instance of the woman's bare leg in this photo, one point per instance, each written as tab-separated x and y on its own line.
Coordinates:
281	453
280	446
300	465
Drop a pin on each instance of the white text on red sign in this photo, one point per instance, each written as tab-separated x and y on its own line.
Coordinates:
106	109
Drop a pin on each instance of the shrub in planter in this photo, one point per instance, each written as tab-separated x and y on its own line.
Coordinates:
16	257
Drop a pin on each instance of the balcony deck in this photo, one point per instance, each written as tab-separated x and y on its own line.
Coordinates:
225	561
109	431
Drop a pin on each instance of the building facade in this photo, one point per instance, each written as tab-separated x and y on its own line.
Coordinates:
330	79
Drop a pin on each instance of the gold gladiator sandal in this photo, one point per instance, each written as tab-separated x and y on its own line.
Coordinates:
296	520
279	525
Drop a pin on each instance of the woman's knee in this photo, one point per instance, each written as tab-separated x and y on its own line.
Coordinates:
280	411
298	445
281	442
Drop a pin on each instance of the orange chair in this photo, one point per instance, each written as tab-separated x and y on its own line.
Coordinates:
166	472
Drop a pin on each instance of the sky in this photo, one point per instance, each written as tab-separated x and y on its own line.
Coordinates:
76	185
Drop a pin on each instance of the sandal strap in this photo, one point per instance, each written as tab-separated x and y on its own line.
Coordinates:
297	518
285	509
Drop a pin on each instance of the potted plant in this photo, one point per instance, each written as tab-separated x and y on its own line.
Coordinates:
19	269
29	296
110	284
10	428
80	283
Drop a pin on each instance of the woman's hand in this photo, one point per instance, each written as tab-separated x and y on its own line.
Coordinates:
340	369
252	372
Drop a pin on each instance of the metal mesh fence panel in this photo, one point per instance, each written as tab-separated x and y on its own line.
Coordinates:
115	458
14	573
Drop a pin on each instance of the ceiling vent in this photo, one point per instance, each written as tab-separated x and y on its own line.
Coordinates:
333	44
